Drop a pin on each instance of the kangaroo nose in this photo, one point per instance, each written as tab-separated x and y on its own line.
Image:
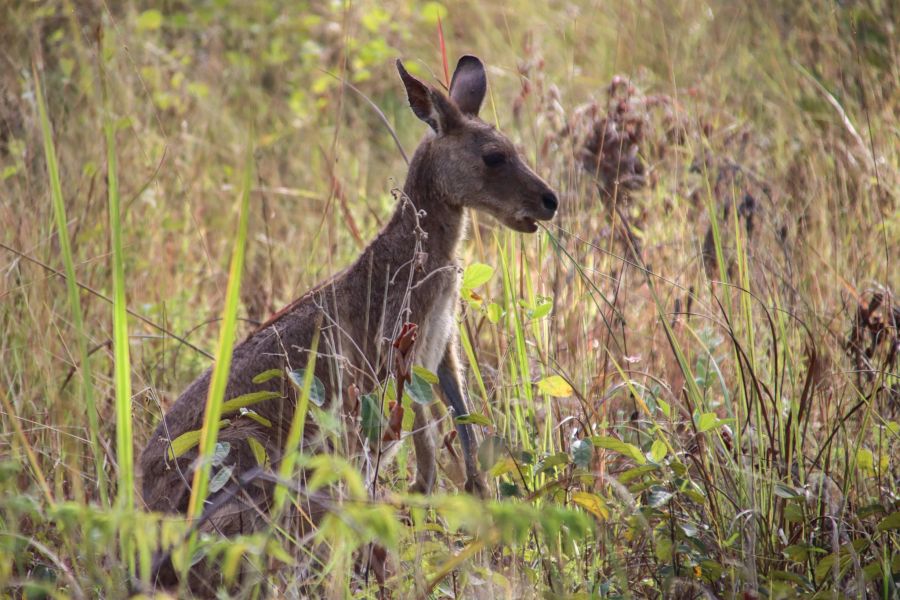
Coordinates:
549	200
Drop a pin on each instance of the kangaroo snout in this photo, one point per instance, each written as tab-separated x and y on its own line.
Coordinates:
550	202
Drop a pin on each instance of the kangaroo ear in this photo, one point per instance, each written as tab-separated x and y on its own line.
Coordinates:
428	104
469	84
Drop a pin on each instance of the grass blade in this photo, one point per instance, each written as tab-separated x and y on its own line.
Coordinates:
124	435
59	210
216	395
298	422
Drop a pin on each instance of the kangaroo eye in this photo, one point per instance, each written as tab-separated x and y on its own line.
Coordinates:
494	159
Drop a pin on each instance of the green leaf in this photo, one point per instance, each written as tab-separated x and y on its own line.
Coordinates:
476	274
316	392
800	553
246	400
490	451
250	414
592	503
425	374
420	389
664	407
541	309
232	561
658	451
187	441
372	417
150	20
658	498
494	312
707	421
865	461
220	453
268	375
509	489
219	480
892	521
637	472
785	491
555	386
554	460
611	443
259	453
473	419
582	452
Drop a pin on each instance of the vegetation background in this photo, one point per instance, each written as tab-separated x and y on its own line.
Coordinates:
687	383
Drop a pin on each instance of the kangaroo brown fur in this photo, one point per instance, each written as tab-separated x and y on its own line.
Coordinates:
408	273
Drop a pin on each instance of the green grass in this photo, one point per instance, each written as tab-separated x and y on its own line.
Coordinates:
688	414
216	397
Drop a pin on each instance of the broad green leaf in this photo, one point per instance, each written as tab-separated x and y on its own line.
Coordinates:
707	421
541	309
502	467
785	491
892	521
611	443
372	417
476	274
220	453
554	460
658	498
555	386
425	374
419	389
219	480
582	452
658	451
490	451
316	392
494	312
592	503
664	407
636	472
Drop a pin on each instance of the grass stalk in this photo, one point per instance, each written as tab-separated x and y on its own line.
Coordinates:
292	444
122	359
59	209
219	381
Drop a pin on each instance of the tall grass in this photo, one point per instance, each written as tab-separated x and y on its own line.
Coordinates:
216	396
121	360
86	380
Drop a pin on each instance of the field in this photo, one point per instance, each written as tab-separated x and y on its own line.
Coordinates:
686	385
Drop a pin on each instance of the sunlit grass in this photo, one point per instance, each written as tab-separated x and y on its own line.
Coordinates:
86	380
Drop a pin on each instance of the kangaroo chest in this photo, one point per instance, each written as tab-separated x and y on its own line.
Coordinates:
438	326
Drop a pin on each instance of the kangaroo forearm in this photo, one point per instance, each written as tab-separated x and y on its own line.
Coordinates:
452	392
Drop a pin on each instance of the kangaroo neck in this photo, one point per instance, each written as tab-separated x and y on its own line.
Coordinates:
427	210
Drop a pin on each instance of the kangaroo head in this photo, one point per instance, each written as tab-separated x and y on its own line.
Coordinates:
473	164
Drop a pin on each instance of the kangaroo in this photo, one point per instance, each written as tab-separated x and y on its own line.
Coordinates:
408	273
